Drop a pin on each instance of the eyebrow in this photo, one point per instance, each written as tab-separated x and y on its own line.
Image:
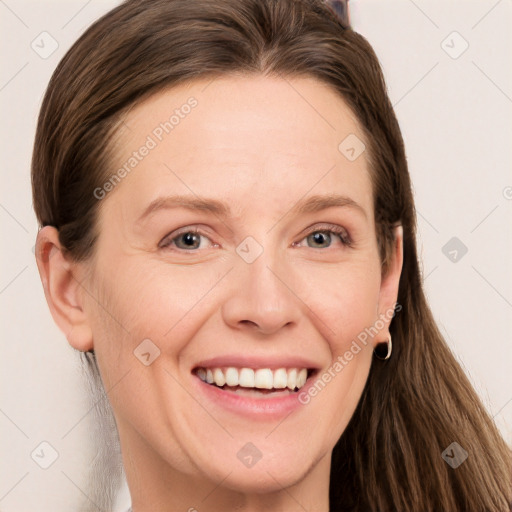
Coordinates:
310	204
322	202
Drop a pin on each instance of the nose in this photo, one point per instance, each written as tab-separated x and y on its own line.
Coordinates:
262	297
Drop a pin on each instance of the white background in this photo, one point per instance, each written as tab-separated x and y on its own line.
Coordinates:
456	119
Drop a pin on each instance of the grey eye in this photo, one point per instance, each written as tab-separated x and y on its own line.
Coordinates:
190	240
320	238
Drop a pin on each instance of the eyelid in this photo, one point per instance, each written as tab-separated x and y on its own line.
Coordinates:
334	228
169	238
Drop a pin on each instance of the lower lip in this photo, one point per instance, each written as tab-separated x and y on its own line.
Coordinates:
255	408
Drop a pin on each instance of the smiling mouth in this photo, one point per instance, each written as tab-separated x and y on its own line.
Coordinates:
255	382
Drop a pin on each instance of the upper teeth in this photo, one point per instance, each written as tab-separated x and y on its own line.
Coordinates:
263	378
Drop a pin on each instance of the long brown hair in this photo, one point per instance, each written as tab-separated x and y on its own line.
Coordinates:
415	404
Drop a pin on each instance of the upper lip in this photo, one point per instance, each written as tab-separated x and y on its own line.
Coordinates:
255	362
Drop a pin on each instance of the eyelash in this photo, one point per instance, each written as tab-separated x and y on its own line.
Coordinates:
342	234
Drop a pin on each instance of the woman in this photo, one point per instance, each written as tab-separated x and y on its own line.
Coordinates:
228	232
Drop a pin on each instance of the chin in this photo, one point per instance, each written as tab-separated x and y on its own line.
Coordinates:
260	481
265	476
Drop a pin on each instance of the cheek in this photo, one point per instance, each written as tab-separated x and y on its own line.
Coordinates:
152	300
344	299
140	300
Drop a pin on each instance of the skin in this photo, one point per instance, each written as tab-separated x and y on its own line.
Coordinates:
259	144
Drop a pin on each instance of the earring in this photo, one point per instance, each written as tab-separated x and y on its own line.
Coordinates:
378	350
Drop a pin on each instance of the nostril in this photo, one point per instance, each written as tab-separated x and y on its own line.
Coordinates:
249	322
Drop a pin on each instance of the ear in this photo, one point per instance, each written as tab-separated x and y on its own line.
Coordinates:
62	289
388	294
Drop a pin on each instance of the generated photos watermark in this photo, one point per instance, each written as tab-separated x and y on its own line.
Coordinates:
156	136
342	361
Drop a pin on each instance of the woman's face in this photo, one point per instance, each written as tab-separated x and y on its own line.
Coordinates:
215	252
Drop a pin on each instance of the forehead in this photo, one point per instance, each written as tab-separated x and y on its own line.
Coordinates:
243	136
